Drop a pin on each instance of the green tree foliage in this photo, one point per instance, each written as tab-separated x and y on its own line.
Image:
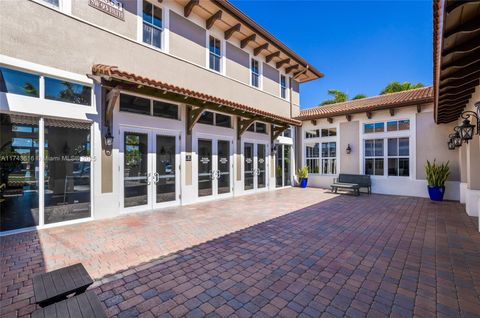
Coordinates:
359	96
394	87
339	97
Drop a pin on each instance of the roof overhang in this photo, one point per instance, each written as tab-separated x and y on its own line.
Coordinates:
456	55
112	77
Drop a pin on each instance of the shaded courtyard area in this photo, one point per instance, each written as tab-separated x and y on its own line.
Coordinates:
289	253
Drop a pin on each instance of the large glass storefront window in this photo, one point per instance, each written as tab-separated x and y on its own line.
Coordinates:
66	172
283	172
19	190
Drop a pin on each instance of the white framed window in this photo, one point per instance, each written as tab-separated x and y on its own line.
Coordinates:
398	153
329	132
258	127
215	54
312	157
64	6
283	86
255	73
374	157
152	17
312	133
329	156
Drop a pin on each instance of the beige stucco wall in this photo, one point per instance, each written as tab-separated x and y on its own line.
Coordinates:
187	40
270	79
237	63
35	33
349	136
128	27
432	144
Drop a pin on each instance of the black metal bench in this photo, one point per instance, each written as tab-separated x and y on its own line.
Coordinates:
80	306
352	182
58	284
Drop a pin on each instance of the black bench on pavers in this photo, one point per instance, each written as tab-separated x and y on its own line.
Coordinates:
352	182
58	284
80	306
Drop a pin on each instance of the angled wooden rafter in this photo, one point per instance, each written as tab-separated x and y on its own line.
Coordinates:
419	108
232	30
348	117
270	56
314	122
210	21
369	114
260	48
277	131
282	62
291	68
330	120
244	123
193	116
111	99
189	7
247	40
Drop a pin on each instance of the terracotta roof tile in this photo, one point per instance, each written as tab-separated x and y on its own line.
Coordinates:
114	72
405	98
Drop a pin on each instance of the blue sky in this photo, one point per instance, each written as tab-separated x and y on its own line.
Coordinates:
360	46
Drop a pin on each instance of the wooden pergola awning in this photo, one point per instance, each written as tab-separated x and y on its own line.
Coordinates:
112	77
456	42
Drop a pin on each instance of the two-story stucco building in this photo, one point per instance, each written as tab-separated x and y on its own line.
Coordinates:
109	107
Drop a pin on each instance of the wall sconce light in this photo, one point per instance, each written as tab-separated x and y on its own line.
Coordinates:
108	138
450	143
274	150
456	138
466	129
349	149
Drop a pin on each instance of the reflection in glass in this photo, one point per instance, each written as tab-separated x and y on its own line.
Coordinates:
206	118
67	92
134	104
279	165
204	167
135	181
223	163
67	173
223	120
261	166
18	174
165	110
287	166
165	173
21	83
248	169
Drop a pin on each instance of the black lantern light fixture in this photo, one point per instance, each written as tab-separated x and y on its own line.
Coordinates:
451	142
457	139
349	149
108	138
466	129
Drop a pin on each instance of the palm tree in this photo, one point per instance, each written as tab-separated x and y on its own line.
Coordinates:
395	86
338	97
359	96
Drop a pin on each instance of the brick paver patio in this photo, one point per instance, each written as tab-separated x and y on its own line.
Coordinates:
314	254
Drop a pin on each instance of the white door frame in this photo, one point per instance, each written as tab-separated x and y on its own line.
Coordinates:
151	167
255	143
215	139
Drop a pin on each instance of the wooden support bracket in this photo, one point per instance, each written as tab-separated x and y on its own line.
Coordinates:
369	115
291	68
419	108
348	117
243	125
192	117
277	131
210	21
189	7
248	39
280	63
330	120
232	30
270	57
392	111
260	48
111	100
314	122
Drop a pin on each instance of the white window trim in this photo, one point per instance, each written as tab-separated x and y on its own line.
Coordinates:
64	6
287	88
320	140
165	34
214	34
411	134
328	157
259	74
151	99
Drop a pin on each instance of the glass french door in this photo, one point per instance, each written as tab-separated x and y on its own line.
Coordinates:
150	169
283	166
214	167
255	166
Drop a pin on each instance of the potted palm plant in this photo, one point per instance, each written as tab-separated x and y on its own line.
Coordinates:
302	174
437	175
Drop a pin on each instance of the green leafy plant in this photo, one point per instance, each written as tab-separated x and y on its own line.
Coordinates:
302	173
437	174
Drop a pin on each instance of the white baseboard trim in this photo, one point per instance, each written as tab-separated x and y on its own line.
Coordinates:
472	202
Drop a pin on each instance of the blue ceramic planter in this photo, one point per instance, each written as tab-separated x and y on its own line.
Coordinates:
303	182
436	193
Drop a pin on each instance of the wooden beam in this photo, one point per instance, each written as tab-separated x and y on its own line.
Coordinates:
189	7
419	108
282	62
348	117
210	21
232	30
392	111
277	131
314	122
270	56
291	68
111	100
260	48
369	115
243	125
330	120
247	40
193	117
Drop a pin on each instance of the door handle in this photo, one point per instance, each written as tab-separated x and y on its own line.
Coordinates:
149	176
212	175
156	177
218	174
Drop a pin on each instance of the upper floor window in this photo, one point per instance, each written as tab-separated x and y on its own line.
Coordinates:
398	125
312	133
215	54
55	3
283	86
20	83
373	128
255	73
329	132
152	24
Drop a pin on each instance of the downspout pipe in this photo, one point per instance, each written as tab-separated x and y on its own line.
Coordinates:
291	88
